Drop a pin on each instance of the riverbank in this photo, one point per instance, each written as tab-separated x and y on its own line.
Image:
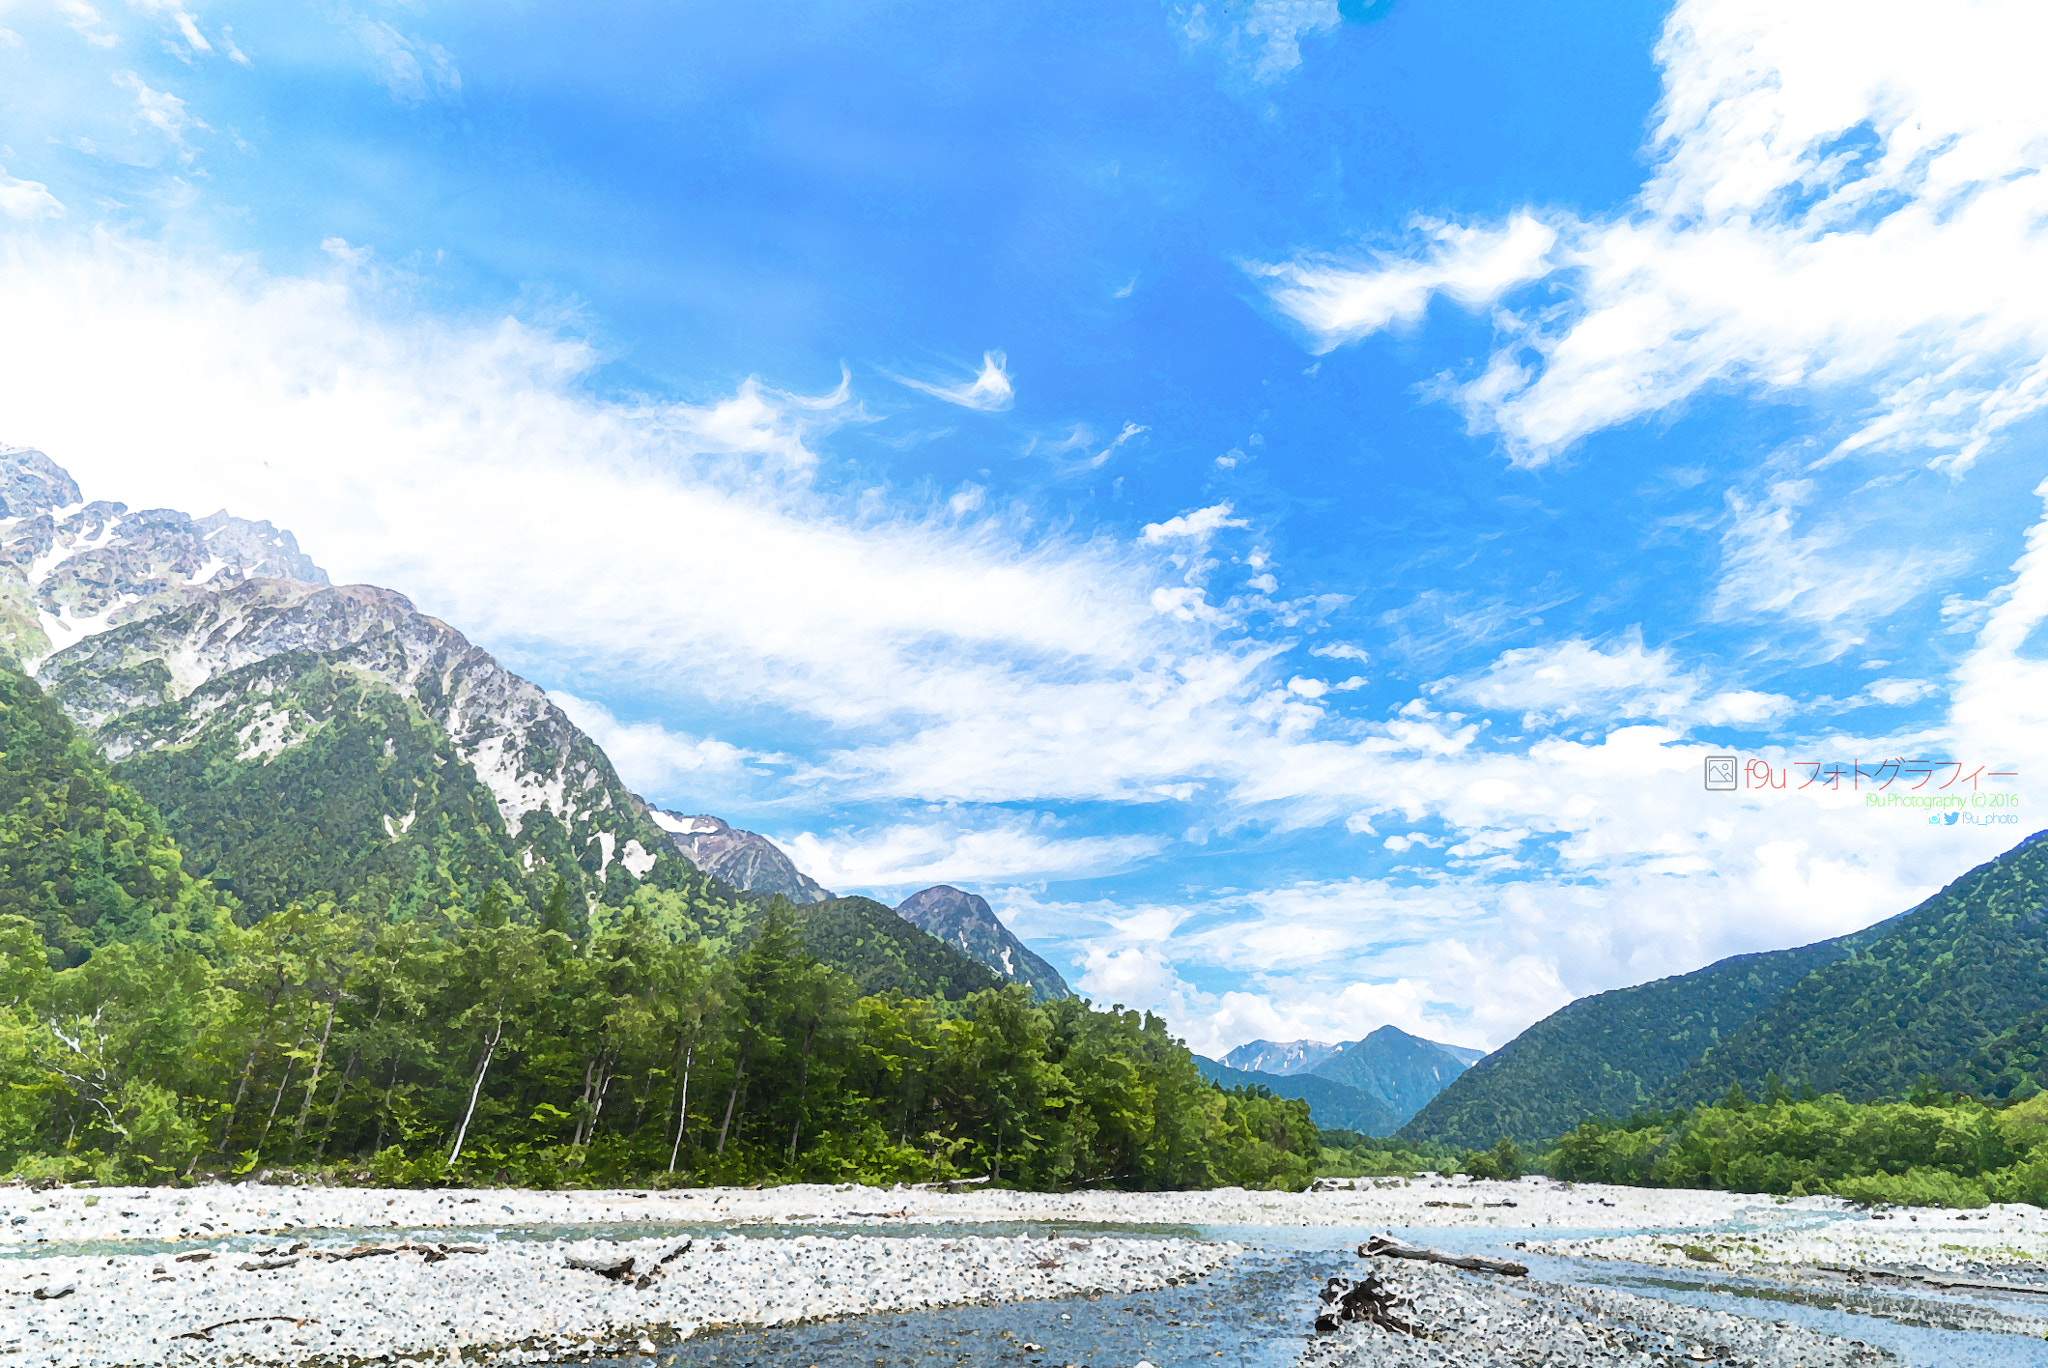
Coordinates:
337	1302
169	1215
249	1273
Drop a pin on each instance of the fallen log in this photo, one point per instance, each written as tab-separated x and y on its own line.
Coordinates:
1368	1301
265	1265
950	1184
618	1270
653	1275
1387	1247
206	1332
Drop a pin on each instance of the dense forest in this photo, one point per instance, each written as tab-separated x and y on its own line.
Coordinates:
158	1026
1932	1149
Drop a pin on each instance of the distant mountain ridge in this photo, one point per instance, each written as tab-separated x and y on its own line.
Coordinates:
1284	1057
1952	989
744	859
1334	1105
1402	1070
966	922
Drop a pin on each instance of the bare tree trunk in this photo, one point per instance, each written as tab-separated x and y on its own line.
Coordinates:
683	1107
334	1104
739	1076
313	1082
248	1072
803	1083
384	1117
278	1101
604	1088
462	1132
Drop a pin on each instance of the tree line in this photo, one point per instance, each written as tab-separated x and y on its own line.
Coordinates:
476	1046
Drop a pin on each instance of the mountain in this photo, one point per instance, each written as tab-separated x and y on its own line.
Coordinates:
69	569
968	924
1615	1052
744	859
1952	990
294	740
1399	1069
1284	1057
1334	1105
883	952
83	857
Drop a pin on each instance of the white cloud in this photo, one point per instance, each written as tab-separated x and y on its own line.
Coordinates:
989	391
412	69
1823	575
651	758
959	848
1621	680
1260	40
179	17
1195	526
1847	202
27	199
1340	651
86	21
1999	695
341	251
1339	301
163	111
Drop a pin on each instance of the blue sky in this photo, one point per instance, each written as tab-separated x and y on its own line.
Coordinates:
1282	497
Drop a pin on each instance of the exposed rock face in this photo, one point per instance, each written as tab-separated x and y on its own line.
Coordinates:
69	569
968	924
153	630
745	859
1284	1057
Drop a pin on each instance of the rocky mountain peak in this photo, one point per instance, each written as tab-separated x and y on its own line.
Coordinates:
70	569
32	483
745	859
966	922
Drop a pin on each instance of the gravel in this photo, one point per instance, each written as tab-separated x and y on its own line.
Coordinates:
519	1302
1478	1321
167	1214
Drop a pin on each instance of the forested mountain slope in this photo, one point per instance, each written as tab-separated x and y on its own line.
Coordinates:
83	858
966	922
1958	980
1335	1106
1613	1053
1401	1070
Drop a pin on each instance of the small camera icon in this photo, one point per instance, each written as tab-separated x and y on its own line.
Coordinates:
1721	774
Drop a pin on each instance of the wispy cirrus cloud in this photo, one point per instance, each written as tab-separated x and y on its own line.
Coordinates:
1846	204
990	391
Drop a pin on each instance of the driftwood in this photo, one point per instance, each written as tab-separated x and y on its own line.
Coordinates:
1934	1280
206	1332
265	1265
1367	1301
653	1275
55	1290
618	1270
950	1184
197	1256
1387	1247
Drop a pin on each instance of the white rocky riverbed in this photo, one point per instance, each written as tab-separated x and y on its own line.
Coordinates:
520	1301
503	1291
